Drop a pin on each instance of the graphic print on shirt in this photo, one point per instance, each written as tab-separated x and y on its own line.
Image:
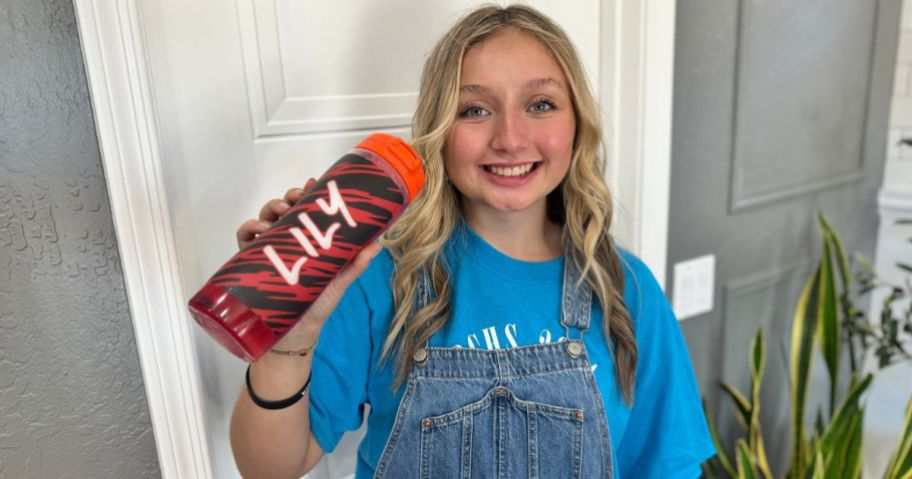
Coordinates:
491	339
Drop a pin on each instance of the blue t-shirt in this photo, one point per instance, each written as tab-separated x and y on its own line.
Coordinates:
500	302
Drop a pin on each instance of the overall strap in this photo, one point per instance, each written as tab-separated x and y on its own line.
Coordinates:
425	291
423	295
576	304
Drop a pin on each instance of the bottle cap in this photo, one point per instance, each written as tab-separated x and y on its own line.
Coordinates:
401	156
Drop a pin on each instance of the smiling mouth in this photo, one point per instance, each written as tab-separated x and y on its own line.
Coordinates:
510	171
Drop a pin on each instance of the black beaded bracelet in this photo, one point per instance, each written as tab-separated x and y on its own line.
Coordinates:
273	405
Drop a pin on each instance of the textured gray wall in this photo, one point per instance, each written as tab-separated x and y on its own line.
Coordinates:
72	401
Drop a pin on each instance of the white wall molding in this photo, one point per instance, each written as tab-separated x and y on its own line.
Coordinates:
114	50
892	203
637	79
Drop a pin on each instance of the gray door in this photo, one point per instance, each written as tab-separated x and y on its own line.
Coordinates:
780	108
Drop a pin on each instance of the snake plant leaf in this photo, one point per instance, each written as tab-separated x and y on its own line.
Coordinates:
804	326
843	436
758	359
709	471
853	452
760	450
755	435
901	460
841	450
818	470
721	456
742	404
819	426
828	322
905	267
745	461
842	259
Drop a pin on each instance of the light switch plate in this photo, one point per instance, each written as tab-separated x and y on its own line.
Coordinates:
694	286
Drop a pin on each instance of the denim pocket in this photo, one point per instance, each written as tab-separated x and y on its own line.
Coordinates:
503	434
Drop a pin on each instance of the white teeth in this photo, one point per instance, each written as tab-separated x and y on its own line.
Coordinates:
512	171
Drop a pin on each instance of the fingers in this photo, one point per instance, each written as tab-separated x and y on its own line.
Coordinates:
249	230
294	195
273	209
269	213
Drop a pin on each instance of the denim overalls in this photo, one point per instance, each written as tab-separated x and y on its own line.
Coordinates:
531	411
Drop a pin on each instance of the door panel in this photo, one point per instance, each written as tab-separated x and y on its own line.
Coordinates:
255	97
780	108
801	96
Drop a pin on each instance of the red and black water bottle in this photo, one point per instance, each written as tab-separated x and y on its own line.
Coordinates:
261	292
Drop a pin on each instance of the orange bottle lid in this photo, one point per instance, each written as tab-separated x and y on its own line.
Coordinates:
401	156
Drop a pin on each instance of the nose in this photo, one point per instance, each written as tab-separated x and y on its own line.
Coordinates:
511	134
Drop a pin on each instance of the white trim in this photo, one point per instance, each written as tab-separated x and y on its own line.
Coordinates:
115	57
893	203
637	77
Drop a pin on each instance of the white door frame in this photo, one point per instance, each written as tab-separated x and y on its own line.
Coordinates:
635	88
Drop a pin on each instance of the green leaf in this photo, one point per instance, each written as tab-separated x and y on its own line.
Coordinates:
721	456
709	470
817	468
903	266
840	437
841	445
802	346
901	460
819	424
760	450
745	461
828	322
758	358
755	435
742	404
853	455
842	260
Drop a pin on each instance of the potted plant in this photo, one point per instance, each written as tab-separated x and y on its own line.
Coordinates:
827	316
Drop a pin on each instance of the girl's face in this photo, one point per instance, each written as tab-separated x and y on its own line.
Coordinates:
512	139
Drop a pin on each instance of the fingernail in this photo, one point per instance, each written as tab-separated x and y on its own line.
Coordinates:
298	191
284	206
265	224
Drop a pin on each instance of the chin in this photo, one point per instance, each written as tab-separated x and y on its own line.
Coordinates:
512	206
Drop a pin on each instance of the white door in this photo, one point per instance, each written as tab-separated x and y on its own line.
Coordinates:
256	96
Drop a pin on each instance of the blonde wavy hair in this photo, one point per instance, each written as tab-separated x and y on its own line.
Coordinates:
581	204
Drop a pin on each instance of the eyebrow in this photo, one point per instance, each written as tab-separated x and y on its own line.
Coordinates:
530	85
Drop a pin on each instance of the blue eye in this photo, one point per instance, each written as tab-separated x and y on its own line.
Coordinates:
472	111
542	106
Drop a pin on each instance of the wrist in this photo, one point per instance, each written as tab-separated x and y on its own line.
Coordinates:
302	336
275	377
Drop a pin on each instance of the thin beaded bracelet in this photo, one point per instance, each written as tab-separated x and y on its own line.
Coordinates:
295	352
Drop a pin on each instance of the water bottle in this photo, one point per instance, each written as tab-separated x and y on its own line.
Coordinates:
261	292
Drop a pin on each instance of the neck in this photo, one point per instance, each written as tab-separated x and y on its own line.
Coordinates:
526	236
